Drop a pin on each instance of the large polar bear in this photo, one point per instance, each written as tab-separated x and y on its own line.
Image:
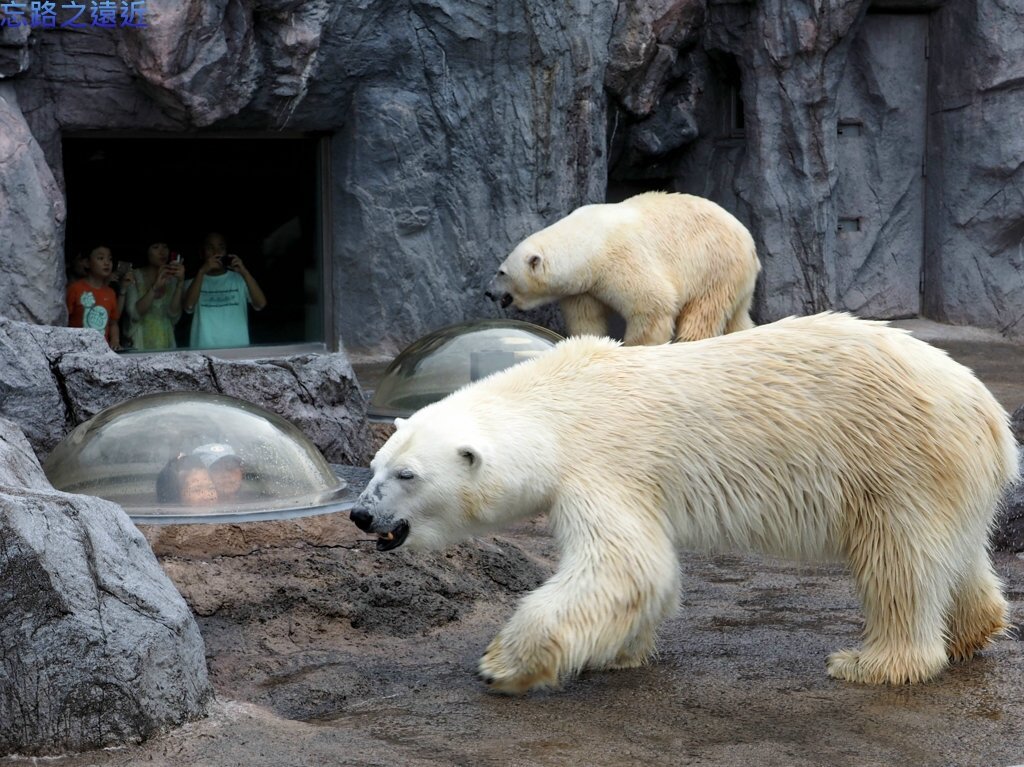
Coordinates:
674	266
823	437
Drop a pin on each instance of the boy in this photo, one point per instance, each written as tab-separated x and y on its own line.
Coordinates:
218	297
185	480
225	469
92	303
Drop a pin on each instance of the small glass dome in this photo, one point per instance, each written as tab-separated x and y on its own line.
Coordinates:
196	457
447	359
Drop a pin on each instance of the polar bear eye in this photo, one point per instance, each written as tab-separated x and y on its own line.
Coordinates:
404	474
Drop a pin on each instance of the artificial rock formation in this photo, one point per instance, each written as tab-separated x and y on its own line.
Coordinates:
458	128
97	647
52	379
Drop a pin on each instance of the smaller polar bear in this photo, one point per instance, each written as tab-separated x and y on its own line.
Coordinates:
673	266
819	438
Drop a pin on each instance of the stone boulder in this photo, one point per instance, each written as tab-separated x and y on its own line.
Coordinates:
52	379
97	647
1009	532
1017	424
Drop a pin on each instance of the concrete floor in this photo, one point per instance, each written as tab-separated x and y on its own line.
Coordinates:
740	679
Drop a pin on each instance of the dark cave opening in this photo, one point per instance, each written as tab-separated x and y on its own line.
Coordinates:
262	193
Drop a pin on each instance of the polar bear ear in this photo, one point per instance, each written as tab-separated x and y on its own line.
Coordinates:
534	262
470	456
399	423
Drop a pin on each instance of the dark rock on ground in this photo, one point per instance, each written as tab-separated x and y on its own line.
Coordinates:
97	647
52	379
1017	424
1009	531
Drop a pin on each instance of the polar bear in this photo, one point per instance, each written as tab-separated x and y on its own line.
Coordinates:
673	266
815	438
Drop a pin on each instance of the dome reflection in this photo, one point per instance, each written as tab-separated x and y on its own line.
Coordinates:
447	359
196	457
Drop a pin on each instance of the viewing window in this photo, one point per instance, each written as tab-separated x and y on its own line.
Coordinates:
262	194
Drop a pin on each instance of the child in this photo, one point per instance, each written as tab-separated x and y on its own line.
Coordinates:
91	301
218	296
225	469
154	299
185	480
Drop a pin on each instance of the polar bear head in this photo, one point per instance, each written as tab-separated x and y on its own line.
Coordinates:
443	476
555	262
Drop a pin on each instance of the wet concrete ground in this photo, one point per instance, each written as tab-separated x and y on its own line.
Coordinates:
323	651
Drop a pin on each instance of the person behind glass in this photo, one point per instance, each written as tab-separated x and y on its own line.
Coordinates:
154	299
225	469
78	266
218	298
185	480
91	301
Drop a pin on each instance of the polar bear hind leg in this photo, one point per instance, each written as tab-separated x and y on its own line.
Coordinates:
979	611
740	318
906	588
702	317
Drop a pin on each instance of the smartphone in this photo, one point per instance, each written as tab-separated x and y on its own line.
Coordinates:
123	267
176	258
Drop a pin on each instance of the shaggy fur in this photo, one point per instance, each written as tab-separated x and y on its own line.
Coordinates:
674	266
818	438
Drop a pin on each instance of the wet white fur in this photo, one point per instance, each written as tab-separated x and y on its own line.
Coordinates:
818	438
672	265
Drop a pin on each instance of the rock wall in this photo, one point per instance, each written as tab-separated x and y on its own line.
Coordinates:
31	221
976	166
458	128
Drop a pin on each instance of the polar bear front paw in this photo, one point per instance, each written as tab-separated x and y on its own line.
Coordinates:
909	666
503	671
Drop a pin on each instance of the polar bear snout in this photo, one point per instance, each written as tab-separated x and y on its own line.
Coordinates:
361	518
388	537
502	298
497	289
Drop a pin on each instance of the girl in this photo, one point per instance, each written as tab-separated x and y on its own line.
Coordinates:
154	300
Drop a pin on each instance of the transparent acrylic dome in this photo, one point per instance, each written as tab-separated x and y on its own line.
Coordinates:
447	359
196	457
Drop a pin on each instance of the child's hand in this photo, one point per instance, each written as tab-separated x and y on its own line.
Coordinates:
176	269
210	262
235	263
127	279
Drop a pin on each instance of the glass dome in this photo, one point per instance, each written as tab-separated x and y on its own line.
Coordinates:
447	359
196	457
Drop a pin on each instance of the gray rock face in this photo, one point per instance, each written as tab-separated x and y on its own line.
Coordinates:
32	223
14	53
97	647
457	128
780	178
52	379
976	226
